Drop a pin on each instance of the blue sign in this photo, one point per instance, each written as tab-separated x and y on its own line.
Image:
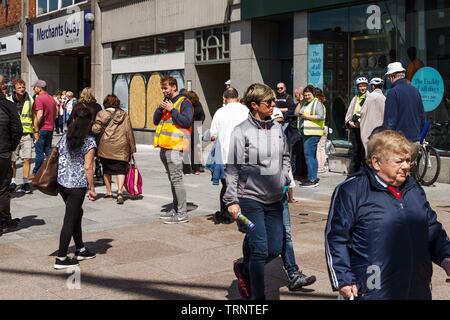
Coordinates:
431	86
315	65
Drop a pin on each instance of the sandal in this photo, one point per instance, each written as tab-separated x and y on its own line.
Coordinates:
120	199
108	196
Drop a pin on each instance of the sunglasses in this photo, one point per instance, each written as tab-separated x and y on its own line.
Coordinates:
268	102
280	88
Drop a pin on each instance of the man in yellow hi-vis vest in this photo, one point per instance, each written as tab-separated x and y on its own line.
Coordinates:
174	119
24	103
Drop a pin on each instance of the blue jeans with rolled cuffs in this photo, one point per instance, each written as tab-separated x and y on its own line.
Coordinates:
310	148
264	243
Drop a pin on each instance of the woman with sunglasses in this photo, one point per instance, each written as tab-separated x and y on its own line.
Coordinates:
257	175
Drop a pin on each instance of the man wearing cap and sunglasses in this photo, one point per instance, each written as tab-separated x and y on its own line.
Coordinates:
44	120
372	112
404	109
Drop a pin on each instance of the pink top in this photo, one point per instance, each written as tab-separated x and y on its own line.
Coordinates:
46	103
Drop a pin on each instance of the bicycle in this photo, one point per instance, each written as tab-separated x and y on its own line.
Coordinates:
427	166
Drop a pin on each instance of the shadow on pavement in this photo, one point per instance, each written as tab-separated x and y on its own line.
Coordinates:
190	207
100	246
26	222
163	290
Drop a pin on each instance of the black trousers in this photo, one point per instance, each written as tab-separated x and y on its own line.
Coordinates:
73	198
358	152
5	197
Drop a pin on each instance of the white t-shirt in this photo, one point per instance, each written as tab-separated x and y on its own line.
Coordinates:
222	126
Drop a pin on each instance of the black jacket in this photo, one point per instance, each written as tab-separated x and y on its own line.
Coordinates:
370	236
10	125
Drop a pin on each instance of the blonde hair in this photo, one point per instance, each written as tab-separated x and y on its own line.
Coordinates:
385	144
87	95
257	93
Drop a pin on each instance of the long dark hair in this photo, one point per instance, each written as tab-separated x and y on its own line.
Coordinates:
79	128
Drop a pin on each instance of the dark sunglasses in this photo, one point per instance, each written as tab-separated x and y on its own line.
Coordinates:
280	88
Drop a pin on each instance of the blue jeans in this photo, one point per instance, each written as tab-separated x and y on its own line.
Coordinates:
43	148
264	243
310	147
287	253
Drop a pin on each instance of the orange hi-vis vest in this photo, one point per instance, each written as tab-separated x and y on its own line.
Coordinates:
170	135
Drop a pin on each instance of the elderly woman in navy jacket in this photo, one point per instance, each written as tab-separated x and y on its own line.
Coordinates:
382	234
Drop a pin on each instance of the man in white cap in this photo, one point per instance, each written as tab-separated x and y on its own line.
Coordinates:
227	84
372	112
44	120
404	109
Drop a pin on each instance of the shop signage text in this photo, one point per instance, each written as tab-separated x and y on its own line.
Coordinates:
9	45
431	86
315	65
66	30
59	34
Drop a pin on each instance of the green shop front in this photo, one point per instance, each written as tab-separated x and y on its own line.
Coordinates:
350	39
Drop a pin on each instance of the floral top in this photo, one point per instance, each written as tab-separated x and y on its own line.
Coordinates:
71	165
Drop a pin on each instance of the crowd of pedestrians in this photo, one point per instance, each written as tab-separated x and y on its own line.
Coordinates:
379	218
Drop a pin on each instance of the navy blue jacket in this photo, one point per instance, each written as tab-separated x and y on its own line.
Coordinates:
184	118
369	233
404	110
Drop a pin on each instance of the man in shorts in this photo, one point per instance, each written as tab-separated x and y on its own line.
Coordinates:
24	104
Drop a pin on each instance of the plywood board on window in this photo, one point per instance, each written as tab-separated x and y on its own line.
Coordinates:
137	102
154	97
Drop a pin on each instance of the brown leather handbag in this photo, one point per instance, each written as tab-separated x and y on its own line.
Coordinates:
46	179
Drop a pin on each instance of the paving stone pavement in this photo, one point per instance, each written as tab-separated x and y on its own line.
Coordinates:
139	257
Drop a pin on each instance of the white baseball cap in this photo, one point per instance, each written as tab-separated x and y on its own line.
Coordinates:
228	82
394	68
276	114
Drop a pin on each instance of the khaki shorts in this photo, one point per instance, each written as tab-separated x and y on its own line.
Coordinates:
24	150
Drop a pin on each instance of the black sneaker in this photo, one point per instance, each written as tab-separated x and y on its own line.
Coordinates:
26	188
85	255
65	264
299	280
309	184
9	225
12	187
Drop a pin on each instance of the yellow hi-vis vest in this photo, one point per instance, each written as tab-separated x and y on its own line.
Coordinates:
313	127
169	135
26	116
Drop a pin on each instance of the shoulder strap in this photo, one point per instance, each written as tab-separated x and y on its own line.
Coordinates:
107	125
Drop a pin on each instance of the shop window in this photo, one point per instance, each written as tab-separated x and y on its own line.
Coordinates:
357	41
149	46
212	45
140	94
47	6
424	43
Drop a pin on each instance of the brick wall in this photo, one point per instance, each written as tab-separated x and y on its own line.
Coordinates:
12	14
32	9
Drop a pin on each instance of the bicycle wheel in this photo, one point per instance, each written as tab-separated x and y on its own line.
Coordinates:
433	167
420	166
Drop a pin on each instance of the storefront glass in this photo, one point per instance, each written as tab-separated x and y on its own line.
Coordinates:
360	40
141	92
148	46
10	69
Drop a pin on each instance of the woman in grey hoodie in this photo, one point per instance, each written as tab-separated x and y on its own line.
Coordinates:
257	174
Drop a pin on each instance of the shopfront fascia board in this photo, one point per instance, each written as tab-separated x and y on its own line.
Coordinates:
154	17
65	32
262	8
157	62
10	45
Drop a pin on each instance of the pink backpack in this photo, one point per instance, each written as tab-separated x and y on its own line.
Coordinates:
133	179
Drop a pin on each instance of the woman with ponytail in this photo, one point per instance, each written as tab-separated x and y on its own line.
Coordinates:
75	179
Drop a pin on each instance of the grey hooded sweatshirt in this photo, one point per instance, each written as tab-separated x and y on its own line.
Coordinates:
258	163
